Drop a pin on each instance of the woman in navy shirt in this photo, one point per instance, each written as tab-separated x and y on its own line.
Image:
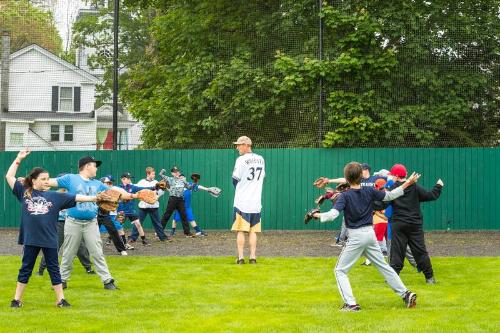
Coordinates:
38	229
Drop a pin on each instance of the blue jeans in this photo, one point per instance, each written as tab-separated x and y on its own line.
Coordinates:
155	221
29	258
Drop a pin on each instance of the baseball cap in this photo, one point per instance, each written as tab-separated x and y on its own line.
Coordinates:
88	159
175	169
243	140
365	166
126	175
398	170
382	172
107	179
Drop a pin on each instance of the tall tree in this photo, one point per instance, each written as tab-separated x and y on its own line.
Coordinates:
29	25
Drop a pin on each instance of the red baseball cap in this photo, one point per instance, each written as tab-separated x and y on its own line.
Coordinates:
398	170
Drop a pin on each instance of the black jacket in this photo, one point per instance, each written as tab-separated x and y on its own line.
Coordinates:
407	208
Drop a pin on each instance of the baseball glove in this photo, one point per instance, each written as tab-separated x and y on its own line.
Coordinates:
120	217
108	200
148	196
162	185
309	215
342	187
214	191
195	177
320	182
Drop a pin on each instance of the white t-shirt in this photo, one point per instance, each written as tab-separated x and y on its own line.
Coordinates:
249	170
149	183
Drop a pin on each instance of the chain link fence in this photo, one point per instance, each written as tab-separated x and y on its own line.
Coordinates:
287	73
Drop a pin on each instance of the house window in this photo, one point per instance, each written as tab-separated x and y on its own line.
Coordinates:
66	99
54	132
68	132
16	139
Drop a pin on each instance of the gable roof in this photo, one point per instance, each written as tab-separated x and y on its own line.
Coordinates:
33	47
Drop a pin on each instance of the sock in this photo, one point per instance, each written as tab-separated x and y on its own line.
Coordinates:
197	228
143	238
124	240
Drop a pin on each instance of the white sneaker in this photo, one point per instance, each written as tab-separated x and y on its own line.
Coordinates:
129	247
124	253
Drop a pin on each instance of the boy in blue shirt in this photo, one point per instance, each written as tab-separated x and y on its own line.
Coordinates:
357	204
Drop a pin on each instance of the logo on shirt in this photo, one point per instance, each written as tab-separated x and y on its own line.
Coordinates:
38	205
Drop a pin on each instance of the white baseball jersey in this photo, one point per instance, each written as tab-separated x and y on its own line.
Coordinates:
249	171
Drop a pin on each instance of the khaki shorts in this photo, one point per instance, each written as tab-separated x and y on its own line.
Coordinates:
246	222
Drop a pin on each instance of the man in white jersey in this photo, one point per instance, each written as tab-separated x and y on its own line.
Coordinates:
248	177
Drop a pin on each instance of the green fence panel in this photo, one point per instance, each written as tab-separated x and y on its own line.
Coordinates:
468	202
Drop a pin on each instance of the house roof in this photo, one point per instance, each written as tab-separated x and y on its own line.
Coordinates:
31	116
33	47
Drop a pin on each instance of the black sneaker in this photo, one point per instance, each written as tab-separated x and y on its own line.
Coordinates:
90	271
64	284
240	261
252	261
63	304
430	280
410	299
350	308
16	303
110	285
145	243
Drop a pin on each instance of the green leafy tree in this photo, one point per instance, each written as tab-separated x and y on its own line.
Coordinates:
29	25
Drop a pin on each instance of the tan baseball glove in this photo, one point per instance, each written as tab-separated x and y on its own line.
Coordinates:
147	196
108	200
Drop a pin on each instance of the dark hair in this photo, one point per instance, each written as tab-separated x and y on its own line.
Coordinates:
28	181
353	173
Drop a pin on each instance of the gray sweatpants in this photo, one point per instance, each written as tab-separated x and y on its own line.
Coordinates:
360	242
74	231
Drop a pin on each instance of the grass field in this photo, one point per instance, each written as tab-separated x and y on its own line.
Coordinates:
212	294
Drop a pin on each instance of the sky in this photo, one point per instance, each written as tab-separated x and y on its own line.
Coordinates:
65	12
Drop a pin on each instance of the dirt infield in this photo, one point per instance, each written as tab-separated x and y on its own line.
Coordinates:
288	244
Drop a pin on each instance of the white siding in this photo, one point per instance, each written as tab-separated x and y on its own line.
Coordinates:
32	76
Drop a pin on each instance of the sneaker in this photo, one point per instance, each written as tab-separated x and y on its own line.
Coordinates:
410	299
131	241
252	261
145	243
16	303
108	242
350	308
90	271
172	234
64	284
123	253
240	261
63	304
430	280
201	234
129	247
167	239
110	285
190	235
338	244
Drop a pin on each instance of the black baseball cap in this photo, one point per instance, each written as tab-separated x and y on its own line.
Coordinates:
126	175
88	159
366	166
175	169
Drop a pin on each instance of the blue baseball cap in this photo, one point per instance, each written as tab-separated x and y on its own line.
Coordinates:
107	179
366	166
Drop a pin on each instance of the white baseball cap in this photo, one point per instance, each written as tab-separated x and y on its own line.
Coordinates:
243	140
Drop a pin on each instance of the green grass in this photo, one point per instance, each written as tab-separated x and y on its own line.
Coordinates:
204	294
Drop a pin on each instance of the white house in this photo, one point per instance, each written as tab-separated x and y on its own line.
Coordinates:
50	103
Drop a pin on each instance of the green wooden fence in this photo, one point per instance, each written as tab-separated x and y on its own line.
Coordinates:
468	202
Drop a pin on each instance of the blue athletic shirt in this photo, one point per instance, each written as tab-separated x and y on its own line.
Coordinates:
39	215
370	181
128	206
75	184
357	205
